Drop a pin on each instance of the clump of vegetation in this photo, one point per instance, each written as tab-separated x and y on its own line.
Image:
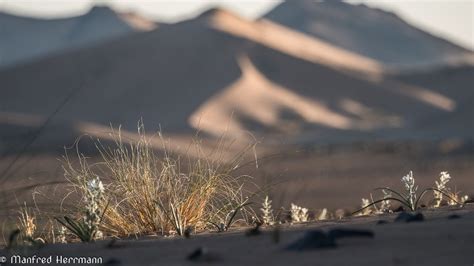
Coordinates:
23	233
149	193
267	212
369	208
454	196
410	198
441	186
366	207
27	228
298	214
26	223
86	228
323	215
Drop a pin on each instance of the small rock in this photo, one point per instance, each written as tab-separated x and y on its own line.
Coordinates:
454	216
254	231
112	262
345	233
115	244
399	209
408	217
317	239
202	255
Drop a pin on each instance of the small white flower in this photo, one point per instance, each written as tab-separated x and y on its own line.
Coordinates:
323	215
409	180
267	212
444	178
304	215
94	199
61	237
298	214
95	186
385	205
365	203
410	187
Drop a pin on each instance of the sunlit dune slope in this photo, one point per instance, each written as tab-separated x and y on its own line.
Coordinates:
220	74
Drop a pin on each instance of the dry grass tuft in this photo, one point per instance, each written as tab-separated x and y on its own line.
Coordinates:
150	193
26	223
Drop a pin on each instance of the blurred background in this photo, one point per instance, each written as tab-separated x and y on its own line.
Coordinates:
341	97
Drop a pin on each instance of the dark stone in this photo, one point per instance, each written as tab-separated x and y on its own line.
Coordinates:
196	254
254	231
318	239
408	217
454	216
115	244
399	209
202	255
112	262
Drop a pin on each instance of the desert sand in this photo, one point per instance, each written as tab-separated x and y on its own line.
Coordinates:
439	240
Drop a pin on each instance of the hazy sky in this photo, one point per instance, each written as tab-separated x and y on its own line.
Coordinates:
452	19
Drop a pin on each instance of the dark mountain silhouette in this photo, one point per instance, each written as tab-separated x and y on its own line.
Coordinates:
371	32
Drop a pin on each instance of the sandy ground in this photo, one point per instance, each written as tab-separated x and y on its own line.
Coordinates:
436	241
320	178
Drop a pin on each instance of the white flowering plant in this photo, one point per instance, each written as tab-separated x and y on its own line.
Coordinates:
410	198
86	228
454	196
366	207
267	212
298	214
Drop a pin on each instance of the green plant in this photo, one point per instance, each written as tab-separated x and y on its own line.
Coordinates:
409	199
441	185
86	228
228	220
79	228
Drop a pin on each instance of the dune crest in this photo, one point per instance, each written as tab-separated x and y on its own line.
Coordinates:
254	97
291	42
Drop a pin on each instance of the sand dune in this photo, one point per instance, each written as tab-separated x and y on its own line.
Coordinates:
293	43
25	39
371	32
221	73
